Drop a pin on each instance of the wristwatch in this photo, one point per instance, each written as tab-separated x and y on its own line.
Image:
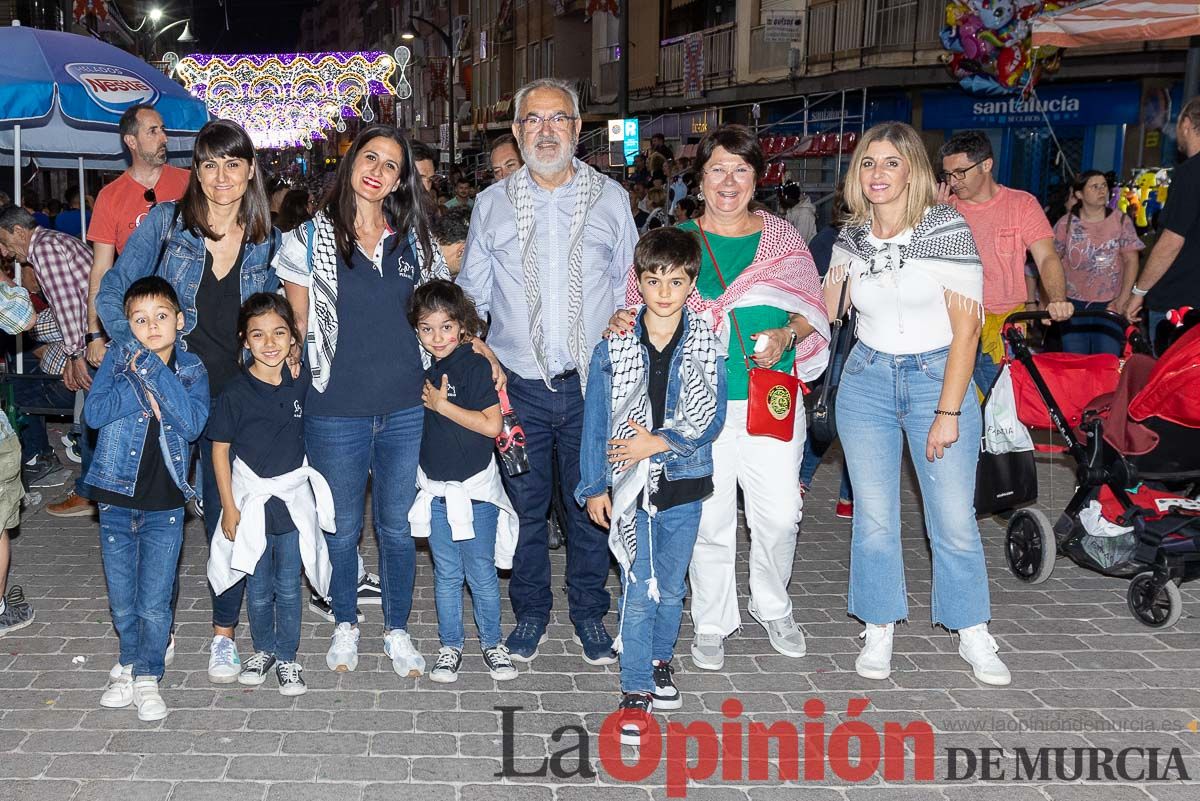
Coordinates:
1138	291
92	336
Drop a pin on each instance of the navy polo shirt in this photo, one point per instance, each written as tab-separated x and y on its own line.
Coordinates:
450	452
264	426
377	366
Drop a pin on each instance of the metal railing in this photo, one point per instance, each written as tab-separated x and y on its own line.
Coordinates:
609	82
720	67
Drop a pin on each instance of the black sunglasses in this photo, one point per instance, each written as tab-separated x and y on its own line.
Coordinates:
150	197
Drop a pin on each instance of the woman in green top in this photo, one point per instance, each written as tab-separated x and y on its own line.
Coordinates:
765	281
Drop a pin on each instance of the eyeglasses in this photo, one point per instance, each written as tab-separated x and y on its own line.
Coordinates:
742	174
536	121
150	197
958	175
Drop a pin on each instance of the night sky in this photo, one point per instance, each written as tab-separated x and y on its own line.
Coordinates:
255	26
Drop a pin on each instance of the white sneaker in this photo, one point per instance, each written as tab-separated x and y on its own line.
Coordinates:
343	650
979	648
708	651
875	660
406	659
150	705
169	654
224	664
786	637
119	693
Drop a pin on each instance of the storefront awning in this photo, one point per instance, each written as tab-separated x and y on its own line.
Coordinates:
1094	22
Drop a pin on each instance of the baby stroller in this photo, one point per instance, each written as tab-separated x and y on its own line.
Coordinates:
1132	426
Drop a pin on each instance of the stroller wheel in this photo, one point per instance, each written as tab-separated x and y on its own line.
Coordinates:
1153	606
1029	546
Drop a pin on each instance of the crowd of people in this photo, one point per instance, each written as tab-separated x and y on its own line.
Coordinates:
307	347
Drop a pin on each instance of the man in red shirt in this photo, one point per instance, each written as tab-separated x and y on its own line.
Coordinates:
118	210
1006	223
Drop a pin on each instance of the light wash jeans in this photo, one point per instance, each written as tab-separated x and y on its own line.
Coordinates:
140	551
273	597
345	450
472	560
649	629
883	400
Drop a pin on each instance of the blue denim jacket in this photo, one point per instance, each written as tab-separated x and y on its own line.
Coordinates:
182	266
687	458
117	405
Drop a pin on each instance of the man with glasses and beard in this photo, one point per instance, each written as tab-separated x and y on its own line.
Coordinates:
1005	224
119	209
547	257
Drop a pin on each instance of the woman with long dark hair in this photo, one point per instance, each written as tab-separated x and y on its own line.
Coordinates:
1099	251
214	246
349	274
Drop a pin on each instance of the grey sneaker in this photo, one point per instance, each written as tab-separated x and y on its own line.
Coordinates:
875	659
17	612
786	637
979	648
708	651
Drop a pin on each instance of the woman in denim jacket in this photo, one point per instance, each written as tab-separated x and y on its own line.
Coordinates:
214	248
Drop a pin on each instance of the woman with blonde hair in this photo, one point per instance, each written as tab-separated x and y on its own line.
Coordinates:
916	282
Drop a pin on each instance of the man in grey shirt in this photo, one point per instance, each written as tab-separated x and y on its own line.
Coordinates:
547	257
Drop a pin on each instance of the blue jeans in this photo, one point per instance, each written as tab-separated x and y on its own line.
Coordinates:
549	419
985	372
273	592
345	450
473	560
141	554
226	607
1153	318
649	629
885	399
1091	335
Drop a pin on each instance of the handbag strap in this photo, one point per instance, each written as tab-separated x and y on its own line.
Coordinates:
724	287
838	324
505	404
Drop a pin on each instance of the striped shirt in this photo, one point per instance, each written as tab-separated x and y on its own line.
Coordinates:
493	277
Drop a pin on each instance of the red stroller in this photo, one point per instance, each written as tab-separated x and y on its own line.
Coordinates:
1132	425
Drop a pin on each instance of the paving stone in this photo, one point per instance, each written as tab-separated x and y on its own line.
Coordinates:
293	791
126	791
92	766
272	768
207	791
345	743
395	792
66	742
22	766
41	790
178	767
357	769
151	742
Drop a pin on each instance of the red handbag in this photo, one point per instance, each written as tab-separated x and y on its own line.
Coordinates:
771	401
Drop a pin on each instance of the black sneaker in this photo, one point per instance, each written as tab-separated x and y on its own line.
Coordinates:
499	663
256	669
666	694
37	472
524	639
17	612
322	607
370	591
445	670
593	638
291	678
633	716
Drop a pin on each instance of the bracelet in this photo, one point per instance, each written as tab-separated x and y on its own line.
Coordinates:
948	414
92	336
792	344
1137	291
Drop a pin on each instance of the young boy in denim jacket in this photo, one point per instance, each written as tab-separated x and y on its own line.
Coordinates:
150	402
655	402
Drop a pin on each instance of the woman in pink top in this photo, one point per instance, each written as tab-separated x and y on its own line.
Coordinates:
1098	248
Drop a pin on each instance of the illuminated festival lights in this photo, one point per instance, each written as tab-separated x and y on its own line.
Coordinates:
290	99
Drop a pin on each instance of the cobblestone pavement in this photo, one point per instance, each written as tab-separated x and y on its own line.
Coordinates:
1085	674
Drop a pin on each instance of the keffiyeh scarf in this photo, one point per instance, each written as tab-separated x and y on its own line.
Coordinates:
589	186
693	414
321	341
941	246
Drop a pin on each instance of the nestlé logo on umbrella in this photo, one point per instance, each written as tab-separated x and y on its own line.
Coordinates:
114	89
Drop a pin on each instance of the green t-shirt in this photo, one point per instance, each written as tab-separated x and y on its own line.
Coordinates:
734	254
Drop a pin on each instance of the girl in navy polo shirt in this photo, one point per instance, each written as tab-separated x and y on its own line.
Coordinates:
461	506
257	428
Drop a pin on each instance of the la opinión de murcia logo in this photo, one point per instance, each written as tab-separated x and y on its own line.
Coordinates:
112	88
741	751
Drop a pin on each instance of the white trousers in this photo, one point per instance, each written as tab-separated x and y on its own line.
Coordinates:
768	472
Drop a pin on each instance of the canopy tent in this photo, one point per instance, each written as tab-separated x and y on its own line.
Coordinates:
1095	22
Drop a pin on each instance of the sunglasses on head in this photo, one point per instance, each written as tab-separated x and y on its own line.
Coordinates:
150	197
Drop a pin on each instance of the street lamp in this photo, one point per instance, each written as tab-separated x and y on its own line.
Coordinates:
155	15
408	34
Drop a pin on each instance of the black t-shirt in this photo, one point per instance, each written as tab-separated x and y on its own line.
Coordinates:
264	426
450	452
658	371
1180	286
155	490
377	367
214	339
